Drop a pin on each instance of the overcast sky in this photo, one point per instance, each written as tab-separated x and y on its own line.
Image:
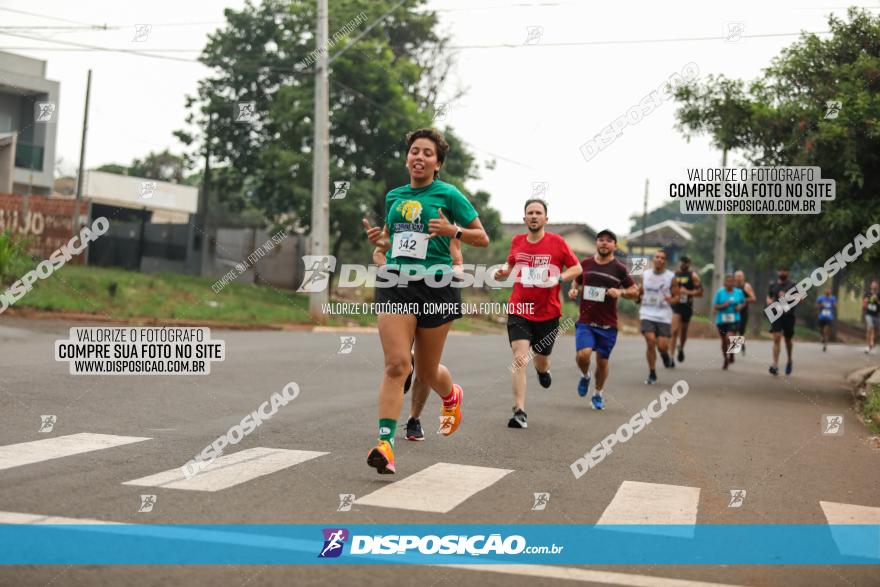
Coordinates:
530	106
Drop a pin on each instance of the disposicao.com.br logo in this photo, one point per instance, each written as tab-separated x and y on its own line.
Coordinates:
318	271
451	544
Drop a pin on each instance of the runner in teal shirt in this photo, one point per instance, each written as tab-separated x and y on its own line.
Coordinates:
728	301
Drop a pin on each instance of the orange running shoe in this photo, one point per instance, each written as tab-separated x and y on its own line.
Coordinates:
451	416
381	458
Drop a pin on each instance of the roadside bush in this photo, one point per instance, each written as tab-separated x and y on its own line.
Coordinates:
14	257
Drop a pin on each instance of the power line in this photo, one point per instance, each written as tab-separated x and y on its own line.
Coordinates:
97	48
102	27
631	41
84	47
47	16
90	49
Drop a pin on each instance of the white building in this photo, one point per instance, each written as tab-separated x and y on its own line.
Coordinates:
169	203
28	124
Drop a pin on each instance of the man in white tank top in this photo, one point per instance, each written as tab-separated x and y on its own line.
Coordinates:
657	292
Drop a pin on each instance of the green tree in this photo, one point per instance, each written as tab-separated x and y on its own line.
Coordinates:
164	166
784	123
382	86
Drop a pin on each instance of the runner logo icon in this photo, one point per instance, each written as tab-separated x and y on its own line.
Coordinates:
736	344
318	270
346	345
334	540
346	500
47	423
541	500
340	189
639	264
832	424
147	503
736	498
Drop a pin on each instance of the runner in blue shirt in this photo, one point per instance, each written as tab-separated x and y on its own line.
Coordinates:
728	301
827	307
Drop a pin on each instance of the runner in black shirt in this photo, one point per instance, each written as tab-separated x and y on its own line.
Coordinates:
784	325
689	287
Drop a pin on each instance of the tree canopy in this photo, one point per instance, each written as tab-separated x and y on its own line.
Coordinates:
783	118
382	86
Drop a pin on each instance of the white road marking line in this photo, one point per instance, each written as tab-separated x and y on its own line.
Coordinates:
585	575
17	518
546	571
28	453
847	513
439	488
654	504
229	470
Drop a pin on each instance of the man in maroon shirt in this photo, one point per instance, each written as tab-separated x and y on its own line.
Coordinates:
604	279
537	258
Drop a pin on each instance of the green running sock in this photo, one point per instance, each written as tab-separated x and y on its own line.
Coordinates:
387	430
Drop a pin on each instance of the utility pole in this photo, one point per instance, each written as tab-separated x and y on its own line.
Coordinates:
202	213
720	242
645	217
82	158
319	244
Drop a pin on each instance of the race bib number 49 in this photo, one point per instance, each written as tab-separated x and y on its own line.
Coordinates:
594	294
410	244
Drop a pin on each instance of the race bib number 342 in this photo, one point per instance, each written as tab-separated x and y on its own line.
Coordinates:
410	244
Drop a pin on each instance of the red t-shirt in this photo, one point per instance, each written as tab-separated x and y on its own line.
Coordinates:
613	274
550	250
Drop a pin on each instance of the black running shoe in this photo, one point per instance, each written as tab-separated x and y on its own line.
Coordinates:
680	355
544	379
774	370
414	429
667	360
408	383
652	378
519	420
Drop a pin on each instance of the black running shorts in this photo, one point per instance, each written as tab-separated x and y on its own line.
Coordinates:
784	324
729	328
432	306
683	310
541	334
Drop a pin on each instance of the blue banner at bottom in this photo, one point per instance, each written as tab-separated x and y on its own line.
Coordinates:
243	544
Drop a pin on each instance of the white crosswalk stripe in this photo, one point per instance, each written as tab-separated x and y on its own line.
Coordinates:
439	488
654	504
229	470
19	518
849	514
28	453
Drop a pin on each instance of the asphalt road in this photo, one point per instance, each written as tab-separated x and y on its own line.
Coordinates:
737	429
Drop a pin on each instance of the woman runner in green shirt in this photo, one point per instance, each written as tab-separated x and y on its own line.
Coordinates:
420	220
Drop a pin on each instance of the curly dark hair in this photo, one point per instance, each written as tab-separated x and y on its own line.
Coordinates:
434	136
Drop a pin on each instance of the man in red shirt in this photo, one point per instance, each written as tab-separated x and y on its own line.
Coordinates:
604	279
537	259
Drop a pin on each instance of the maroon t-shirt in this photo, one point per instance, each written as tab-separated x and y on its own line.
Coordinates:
613	274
